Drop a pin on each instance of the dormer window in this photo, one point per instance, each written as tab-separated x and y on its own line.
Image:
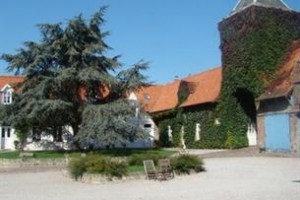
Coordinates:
7	97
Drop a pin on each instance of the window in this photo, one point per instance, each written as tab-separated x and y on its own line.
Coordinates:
36	135
5	132
6	97
8	132
147	97
147	125
57	133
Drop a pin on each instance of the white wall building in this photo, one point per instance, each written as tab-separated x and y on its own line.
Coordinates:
41	141
7	133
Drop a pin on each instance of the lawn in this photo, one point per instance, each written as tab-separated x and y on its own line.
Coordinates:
133	157
74	154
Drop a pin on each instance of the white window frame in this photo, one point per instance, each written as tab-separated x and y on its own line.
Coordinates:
6	96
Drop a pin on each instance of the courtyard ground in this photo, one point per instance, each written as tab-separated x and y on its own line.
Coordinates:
235	176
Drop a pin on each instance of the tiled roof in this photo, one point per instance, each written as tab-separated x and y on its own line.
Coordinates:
4	80
243	4
282	86
159	98
206	89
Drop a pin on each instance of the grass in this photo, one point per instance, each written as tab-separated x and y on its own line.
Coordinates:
135	168
73	154
130	154
37	154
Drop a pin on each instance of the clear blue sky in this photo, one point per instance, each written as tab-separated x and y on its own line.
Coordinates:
177	37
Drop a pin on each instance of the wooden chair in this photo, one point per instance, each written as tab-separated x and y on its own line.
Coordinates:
150	169
165	168
164	171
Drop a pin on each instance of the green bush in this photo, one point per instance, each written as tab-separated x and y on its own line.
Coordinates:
95	164
116	167
230	142
185	163
17	144
235	142
137	159
77	168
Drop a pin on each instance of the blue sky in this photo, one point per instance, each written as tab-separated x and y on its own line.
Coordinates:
177	37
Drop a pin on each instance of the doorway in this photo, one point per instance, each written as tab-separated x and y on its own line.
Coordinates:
278	133
246	100
6	138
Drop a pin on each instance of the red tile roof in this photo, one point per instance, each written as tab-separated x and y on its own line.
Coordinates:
159	98
4	80
282	86
206	89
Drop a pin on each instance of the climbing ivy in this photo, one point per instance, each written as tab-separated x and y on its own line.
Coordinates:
253	45
203	115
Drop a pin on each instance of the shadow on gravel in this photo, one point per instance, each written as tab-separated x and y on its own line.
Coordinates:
297	181
249	152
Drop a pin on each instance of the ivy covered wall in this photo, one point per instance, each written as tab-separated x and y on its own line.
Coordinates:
189	117
253	44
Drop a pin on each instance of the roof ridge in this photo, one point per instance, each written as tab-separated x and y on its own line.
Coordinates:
243	4
17	76
203	72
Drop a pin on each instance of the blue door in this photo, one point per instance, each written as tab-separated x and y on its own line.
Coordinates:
278	132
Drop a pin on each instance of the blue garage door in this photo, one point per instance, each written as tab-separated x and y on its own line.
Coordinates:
278	133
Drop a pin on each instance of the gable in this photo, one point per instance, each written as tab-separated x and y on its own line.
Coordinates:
296	73
287	76
10	80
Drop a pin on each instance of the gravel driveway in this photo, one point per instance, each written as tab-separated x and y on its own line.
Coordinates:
240	178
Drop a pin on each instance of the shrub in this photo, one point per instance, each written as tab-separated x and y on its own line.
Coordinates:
17	144
77	168
185	163
230	142
235	142
137	159
95	164
116	167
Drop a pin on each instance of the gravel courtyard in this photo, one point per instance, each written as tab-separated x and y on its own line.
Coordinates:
240	178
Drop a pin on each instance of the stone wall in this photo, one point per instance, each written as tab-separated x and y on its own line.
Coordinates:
33	162
98	178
